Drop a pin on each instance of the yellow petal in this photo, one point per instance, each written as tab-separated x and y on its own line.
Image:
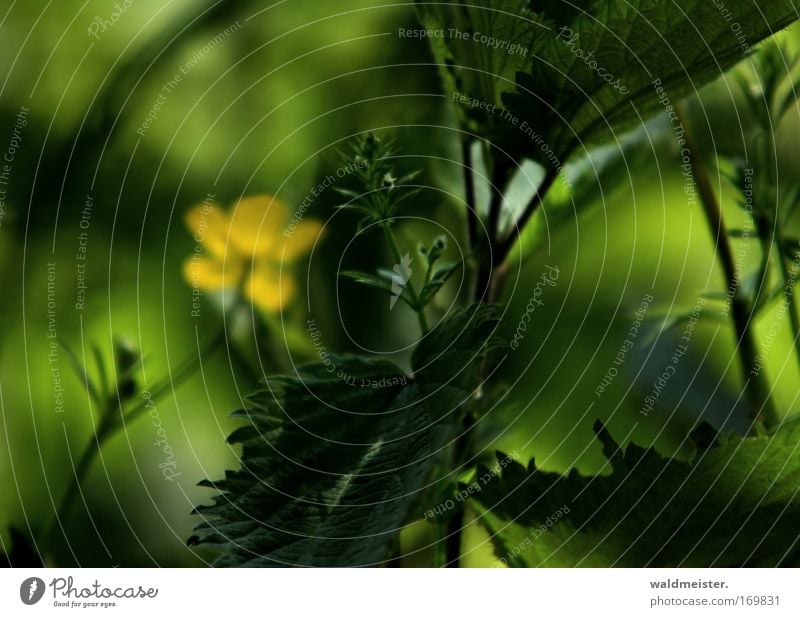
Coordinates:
257	224
300	241
209	274
269	288
209	226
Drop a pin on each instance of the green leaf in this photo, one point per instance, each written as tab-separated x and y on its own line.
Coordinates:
379	192
334	457
80	372
448	354
440	276
370	280
556	97
735	503
480	71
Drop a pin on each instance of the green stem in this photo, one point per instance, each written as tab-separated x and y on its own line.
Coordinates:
791	301
491	255
111	420
420	310
423	321
463	454
268	351
530	209
757	388
763	277
439	553
428	273
178	376
779	237
501	172
72	491
469	192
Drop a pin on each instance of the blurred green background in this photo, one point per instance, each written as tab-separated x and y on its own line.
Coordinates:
265	110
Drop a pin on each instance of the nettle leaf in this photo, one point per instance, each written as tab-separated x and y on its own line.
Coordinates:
592	70
735	503
334	457
482	71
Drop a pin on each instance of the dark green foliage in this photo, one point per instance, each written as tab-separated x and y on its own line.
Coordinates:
21	553
772	88
591	71
735	503
379	193
334	457
479	71
439	276
377	200
339	457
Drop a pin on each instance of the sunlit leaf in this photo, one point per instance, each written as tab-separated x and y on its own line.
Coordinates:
735	503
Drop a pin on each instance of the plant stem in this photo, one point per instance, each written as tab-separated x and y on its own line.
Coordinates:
429	273
463	454
516	230
758	390
178	376
81	469
111	420
501	173
487	289
763	276
788	292
454	532
489	258
420	310
490	279
469	192
779	238
439	553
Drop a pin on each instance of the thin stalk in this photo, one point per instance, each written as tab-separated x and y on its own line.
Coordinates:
533	205
490	258
499	180
428	273
469	192
487	289
439	552
763	276
111	420
177	377
81	469
272	355
490	279
757	388
420	310
483	281
454	532
779	238
462	455
791	301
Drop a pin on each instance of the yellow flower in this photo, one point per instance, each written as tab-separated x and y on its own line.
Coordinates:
248	249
